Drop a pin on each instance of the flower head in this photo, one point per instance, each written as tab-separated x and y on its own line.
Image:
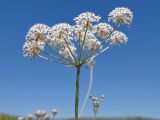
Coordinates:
121	15
35	40
103	29
40	113
85	19
118	38
59	32
55	111
21	118
102	98
33	48
37	32
46	117
29	117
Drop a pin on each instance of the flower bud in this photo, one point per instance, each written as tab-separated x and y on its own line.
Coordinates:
102	98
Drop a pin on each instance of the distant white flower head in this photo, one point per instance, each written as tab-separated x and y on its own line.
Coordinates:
121	15
102	98
38	113
95	106
43	113
94	99
54	111
103	29
30	117
85	19
21	118
118	38
46	117
33	48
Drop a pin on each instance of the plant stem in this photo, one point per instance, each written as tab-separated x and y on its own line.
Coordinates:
94	116
78	68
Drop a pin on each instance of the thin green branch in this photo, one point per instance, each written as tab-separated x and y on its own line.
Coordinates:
51	60
90	54
79	46
74	59
57	58
84	39
58	53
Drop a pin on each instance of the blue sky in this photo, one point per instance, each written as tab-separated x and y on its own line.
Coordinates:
129	76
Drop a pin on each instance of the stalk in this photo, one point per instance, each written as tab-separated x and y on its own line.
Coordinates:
78	68
88	91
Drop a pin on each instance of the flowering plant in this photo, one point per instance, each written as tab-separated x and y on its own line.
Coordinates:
77	45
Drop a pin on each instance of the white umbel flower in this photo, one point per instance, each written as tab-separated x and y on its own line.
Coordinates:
30	117
46	117
54	111
103	29
60	33
35	40
121	15
102	98
85	19
33	48
118	38
21	118
39	113
37	32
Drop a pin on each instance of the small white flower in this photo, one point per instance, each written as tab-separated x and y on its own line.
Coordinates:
21	118
38	113
43	113
102	98
118	38
37	32
54	111
35	40
60	31
94	98
121	15
103	29
33	48
30	117
46	117
95	106
85	19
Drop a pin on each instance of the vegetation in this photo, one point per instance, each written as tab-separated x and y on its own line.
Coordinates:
12	117
7	117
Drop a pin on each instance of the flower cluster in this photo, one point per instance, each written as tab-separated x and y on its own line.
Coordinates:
73	44
96	103
40	115
121	15
34	44
86	19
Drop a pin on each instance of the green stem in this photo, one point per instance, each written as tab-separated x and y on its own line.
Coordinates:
77	92
94	116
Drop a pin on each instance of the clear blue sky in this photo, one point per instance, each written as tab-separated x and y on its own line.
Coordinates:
129	76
